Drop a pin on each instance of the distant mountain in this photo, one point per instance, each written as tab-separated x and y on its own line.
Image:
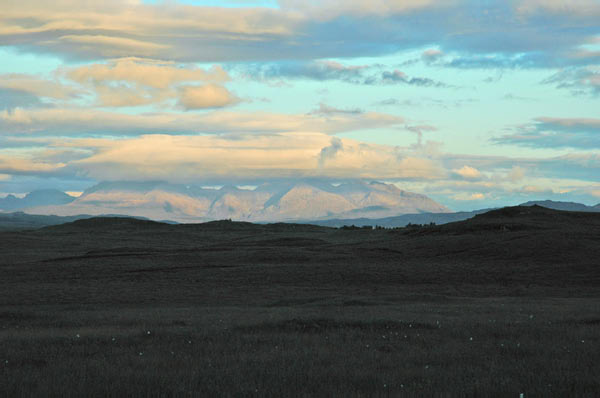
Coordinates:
444	218
565	206
401	221
20	220
44	197
269	202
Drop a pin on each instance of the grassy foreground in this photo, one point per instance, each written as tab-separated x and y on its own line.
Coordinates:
493	347
479	309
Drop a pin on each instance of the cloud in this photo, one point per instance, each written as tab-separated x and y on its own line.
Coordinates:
207	96
250	158
247	157
516	174
144	72
110	46
330	151
514	33
419	129
328	9
77	121
425	102
320	70
431	55
135	82
38	87
551	132
469	196
575	166
14	165
585	80
397	76
468	172
10	99
111	29
583	8
325	109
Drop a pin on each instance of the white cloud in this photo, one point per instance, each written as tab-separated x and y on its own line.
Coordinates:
134	82
291	155
468	172
144	72
77	121
301	29
207	96
327	9
38	86
469	196
109	46
516	174
112	29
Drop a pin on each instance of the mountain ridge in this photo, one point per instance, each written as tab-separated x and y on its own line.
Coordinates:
41	197
269	202
565	206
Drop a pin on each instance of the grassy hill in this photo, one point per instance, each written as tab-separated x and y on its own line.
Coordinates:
505	303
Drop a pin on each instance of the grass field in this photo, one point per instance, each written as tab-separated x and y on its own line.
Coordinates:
499	306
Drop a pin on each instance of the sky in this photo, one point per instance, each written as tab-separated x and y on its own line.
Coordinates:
474	103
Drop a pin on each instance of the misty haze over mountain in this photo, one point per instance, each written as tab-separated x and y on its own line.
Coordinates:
282	201
351	203
33	199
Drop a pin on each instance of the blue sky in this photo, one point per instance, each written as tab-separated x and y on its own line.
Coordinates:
474	103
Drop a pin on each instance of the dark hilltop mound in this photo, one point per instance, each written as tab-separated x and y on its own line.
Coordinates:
110	223
531	245
528	245
565	206
98	224
526	218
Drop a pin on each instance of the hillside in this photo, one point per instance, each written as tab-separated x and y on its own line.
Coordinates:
504	248
20	220
261	304
400	221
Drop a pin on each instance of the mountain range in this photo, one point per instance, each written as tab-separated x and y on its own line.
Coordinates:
444	218
565	206
352	203
33	199
269	202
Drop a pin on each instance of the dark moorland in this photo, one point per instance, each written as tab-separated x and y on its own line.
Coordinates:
503	304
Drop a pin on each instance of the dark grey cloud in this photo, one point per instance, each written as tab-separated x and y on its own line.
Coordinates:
330	151
331	70
419	130
316	70
10	99
325	109
546	132
399	77
580	80
425	101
